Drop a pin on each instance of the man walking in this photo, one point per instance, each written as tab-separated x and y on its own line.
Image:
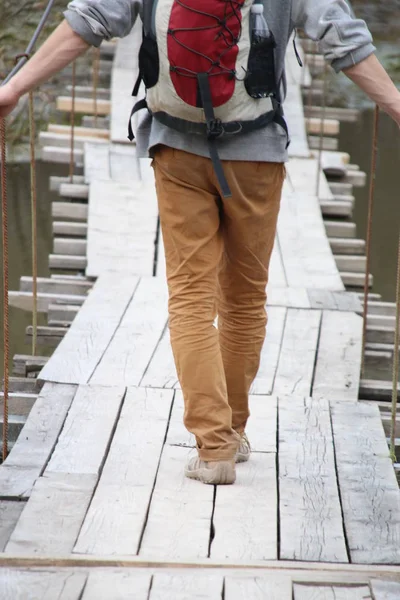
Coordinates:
218	201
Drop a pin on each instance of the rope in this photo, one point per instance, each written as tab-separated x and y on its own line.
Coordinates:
395	361
33	221
321	133
96	66
369	231
6	335
71	160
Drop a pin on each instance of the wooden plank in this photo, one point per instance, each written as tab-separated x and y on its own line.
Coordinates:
96	162
368	486
121	233
76	358
161	371
179	520
18	403
277	276
311	527
122	496
137	336
43	584
10	512
118	585
301	172
82	445
67	261
53	515
181	587
385	590
328	592
264	381
34	447
274	586
288	297
65	228
69	246
24	300
55	154
347	245
84	105
298	351
246	516
339	229
64	140
327	143
73	287
334	208
79	132
261	427
314	125
337	372
124	163
306	253
74	190
69	210
295	117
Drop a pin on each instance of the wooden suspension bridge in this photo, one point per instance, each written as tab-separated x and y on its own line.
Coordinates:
93	501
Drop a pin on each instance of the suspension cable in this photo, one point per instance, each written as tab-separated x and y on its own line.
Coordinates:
6	335
322	129
96	67
369	231
33	221
72	121
395	362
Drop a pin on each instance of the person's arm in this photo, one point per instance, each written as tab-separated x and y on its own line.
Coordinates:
371	77
87	23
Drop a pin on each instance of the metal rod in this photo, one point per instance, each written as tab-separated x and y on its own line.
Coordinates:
33	220
6	332
395	361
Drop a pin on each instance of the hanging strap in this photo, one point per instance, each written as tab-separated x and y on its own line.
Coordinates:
138	106
214	131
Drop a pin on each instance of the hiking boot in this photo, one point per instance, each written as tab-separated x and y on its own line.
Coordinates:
244	450
218	472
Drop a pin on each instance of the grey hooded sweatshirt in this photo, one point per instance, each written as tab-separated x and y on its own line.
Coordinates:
343	40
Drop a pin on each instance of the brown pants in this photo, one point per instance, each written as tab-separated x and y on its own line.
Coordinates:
217	256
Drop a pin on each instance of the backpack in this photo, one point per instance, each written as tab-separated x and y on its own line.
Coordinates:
203	72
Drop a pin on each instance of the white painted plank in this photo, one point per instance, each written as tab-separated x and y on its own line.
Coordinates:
310	513
136	338
306	253
294	115
123	494
369	491
261	427
53	515
121	227
161	371
181	587
117	585
82	445
297	357
276	273
274	586
337	373
78	354
41	584
245	515
96	162
10	512
302	173
264	381
179	519
385	590
291	297
328	592
35	444
124	163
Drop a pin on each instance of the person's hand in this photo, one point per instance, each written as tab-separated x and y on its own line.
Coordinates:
8	100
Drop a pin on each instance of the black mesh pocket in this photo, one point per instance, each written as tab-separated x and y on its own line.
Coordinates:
149	62
260	79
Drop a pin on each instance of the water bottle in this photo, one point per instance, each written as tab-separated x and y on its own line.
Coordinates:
260	78
260	29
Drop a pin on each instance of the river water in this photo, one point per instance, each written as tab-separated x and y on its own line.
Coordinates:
355	138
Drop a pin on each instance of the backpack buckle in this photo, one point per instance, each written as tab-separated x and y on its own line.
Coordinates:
215	129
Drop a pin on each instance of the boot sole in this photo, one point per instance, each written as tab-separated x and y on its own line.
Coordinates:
222	474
